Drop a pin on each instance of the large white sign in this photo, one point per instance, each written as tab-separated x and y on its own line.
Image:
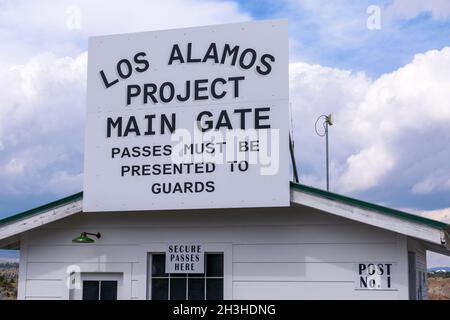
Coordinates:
188	118
185	258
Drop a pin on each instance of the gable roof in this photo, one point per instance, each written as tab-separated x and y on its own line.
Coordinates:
370	206
429	230
434	234
40	209
13	226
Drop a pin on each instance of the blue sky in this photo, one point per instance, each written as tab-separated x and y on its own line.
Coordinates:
372	51
388	89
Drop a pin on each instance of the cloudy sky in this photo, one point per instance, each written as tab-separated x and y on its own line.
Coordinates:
386	82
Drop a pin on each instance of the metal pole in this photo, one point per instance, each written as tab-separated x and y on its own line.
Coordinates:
328	121
294	165
328	171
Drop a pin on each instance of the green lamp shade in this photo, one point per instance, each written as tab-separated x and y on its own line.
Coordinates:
83	238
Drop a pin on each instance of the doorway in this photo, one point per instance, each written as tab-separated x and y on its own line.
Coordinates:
412	285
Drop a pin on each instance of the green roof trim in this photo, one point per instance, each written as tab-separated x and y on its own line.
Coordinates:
369	206
300	187
37	210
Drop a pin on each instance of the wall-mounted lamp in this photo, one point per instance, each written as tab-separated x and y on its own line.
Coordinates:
83	238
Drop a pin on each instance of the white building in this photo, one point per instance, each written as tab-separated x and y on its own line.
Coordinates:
324	246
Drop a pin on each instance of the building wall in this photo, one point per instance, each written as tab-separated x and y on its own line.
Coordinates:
294	253
421	283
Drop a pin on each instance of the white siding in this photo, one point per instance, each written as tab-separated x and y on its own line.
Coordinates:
295	253
45	289
338	290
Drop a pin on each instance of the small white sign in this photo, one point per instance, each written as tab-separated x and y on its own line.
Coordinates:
185	258
374	276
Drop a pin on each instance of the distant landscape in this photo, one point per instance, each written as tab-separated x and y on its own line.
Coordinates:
438	282
9	272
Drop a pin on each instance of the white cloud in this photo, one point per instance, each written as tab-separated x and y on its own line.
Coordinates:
399	108
41	122
64	182
442	215
42	96
378	124
436	181
30	27
407	9
43	76
388	131
366	168
316	90
14	166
